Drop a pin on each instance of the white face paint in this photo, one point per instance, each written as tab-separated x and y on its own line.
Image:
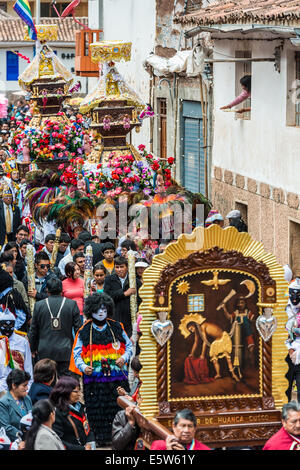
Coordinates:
101	314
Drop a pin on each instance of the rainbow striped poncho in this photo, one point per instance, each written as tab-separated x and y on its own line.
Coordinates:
102	355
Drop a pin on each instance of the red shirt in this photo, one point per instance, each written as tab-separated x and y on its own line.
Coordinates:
74	289
161	445
282	440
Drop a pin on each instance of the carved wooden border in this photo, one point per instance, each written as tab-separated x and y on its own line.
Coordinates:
213	259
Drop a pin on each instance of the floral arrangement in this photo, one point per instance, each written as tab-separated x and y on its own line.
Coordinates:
125	174
55	140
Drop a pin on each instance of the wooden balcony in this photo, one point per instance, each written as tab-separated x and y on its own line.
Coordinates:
84	67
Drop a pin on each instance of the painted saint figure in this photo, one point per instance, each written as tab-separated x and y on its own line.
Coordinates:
195	366
220	347
241	331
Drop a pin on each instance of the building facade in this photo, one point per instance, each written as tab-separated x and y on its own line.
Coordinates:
254	155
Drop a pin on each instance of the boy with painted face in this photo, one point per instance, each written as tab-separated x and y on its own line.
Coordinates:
14	349
101	353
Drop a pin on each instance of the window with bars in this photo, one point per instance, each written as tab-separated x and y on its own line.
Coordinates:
241	69
193	5
196	303
294	247
162	130
297	77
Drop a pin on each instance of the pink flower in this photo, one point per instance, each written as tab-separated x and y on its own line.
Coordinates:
61	166
60	154
119	171
126	169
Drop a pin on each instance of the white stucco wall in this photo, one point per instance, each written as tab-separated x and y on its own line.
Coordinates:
11	86
133	21
264	148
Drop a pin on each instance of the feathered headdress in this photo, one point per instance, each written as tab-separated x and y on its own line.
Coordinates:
66	210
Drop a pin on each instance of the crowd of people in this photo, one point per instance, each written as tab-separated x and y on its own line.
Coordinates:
69	341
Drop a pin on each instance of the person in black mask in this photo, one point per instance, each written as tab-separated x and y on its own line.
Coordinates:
11	298
14	348
293	341
101	355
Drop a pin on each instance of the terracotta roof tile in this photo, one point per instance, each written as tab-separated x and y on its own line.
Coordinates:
243	11
12	29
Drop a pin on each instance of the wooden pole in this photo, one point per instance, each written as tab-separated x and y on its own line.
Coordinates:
55	248
30	274
133	307
144	423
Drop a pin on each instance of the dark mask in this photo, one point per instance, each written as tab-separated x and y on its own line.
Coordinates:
294	296
98	322
7	327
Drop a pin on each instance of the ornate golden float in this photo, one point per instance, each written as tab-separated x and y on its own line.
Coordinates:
113	105
222	296
46	79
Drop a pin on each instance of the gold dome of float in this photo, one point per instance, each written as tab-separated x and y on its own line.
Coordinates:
45	32
110	51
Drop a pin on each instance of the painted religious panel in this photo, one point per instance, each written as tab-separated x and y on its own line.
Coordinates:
213	336
214	314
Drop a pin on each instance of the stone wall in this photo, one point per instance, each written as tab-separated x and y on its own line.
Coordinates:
270	210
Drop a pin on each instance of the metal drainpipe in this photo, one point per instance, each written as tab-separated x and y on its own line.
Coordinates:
151	101
210	139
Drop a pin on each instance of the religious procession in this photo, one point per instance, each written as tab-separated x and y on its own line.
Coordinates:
149	232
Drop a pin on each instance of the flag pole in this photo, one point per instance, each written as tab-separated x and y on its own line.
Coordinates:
37	11
37	21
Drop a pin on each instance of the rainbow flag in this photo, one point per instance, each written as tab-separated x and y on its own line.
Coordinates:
22	8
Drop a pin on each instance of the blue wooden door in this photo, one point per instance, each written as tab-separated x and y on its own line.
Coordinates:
192	152
12	66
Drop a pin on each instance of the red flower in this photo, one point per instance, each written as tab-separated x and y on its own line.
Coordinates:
171	160
155	166
141	147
